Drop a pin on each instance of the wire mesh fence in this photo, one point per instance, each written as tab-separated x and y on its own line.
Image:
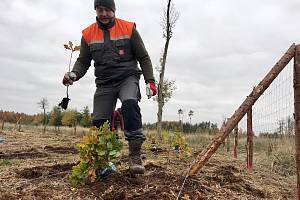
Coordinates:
273	112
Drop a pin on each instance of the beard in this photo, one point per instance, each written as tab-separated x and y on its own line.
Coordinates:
106	20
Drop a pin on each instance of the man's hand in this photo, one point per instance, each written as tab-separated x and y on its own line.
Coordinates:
151	89
69	78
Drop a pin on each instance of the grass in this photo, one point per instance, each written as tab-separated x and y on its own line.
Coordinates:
277	155
273	154
39	129
4	162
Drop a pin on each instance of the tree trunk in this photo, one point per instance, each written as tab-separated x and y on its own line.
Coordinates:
19	123
2	126
159	121
45	125
242	110
162	73
297	114
44	129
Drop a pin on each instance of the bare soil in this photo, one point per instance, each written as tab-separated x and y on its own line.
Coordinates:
39	165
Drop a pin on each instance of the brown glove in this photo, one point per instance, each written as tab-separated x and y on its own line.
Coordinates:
69	78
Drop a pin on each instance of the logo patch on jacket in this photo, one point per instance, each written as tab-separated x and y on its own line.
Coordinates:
121	52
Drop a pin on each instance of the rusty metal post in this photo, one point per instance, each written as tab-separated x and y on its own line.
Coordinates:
249	140
297	114
235	150
204	156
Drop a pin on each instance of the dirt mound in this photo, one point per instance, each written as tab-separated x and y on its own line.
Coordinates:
61	150
124	185
23	154
228	177
36	172
225	175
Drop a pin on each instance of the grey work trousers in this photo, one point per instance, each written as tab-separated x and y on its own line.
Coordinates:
105	99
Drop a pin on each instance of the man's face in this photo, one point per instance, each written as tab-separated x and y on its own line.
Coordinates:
105	15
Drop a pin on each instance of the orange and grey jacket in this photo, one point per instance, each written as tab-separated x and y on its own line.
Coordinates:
115	51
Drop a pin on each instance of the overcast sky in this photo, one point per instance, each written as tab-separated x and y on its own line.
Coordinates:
219	51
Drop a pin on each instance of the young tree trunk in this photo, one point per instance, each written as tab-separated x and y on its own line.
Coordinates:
44	129
242	110
159	120
168	30
45	124
2	126
18	123
297	114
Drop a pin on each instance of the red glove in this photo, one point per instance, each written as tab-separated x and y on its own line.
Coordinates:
151	89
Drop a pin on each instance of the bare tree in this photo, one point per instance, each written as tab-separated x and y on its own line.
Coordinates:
180	112
170	16
18	122
43	104
191	113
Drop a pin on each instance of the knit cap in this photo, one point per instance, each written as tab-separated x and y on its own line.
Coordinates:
105	3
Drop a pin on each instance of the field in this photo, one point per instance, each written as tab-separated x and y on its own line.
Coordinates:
34	165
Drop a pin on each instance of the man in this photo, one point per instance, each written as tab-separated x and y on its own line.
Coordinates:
116	47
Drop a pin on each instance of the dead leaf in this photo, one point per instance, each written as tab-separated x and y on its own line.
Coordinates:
66	46
186	197
76	48
199	195
92	175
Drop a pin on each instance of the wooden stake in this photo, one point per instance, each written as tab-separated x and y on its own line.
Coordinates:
228	142
297	114
204	156
235	150
249	140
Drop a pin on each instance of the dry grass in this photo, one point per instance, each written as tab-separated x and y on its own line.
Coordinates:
48	177
51	129
221	178
271	154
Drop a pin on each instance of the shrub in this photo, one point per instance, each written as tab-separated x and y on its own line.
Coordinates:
96	151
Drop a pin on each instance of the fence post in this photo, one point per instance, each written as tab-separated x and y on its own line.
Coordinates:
204	156
228	142
297	114
2	120
249	140
235	150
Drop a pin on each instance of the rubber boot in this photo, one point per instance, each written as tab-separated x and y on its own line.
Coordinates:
135	161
